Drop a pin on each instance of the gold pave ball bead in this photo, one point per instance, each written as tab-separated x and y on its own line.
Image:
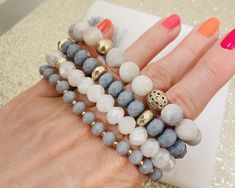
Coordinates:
157	100
103	46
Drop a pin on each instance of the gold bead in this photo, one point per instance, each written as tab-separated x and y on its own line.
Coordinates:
103	133
98	72
141	163
74	102
115	143
61	42
156	100
103	46
59	62
144	118
83	113
129	151
93	123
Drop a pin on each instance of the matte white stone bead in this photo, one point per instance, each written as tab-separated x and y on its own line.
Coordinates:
75	77
126	125
196	140
114	115
128	71
94	92
170	165
138	136
92	35
150	147
172	114
115	57
142	85
105	103
161	159
187	130
65	69
85	83
53	56
76	31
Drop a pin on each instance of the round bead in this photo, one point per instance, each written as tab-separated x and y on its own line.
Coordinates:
135	108
69	97
196	140
42	68
85	83
53	56
147	167
114	115
178	149
75	77
89	65
135	157
78	108
98	72
76	31
125	98
64	44
138	136
126	125
167	138
62	86
91	36
94	92
47	72
88	118
172	114
187	130
150	147
105	103
115	88
123	147
128	71
80	57
109	138
53	79
155	127
115	57
142	85
103	46
144	118
156	174
65	68
97	128
157	100
106	79
72	50
161	159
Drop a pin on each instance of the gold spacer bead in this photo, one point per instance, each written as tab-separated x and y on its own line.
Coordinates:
74	102
103	46
156	100
61	42
93	123
141	163
98	72
115	143
103	133
129	151
66	91
59	62
144	118
83	113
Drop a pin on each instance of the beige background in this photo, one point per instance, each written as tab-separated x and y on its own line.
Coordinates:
23	48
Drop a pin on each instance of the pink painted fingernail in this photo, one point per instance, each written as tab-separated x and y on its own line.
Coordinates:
171	22
106	27
229	40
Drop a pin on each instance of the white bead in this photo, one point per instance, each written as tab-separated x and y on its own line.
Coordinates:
150	147
172	114
92	35
76	31
115	115
94	92
187	130
85	83
138	136
105	103
126	125
170	165
161	159
65	69
53	56
75	77
196	140
142	85
115	57
128	71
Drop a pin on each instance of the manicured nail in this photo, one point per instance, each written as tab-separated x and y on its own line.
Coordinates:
171	22
106	27
229	40
209	27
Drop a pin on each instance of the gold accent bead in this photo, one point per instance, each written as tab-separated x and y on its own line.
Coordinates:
59	62
61	42
141	163
98	72
115	143
144	118
65	91
93	123
157	100
129	151
74	102
83	113
103	46
103	133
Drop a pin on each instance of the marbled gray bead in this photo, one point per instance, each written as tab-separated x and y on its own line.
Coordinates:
147	167
135	108
88	118
115	88
69	97
79	107
72	50
109	138
62	86
167	138
89	65
97	128
42	67
155	127
178	150
125	98
123	147
53	79
135	157
47	72
65	46
106	79
156	174
80	57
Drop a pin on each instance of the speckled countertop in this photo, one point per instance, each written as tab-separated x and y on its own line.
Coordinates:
23	49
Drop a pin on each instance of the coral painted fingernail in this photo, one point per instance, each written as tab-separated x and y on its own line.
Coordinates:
106	27
229	40
209	27
171	22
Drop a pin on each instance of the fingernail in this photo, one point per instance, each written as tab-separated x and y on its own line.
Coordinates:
171	22
104	25
229	40
209	27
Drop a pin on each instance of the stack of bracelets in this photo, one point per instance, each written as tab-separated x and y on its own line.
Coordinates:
158	132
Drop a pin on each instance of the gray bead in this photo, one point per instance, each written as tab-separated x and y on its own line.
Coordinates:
53	79
89	65
115	88
147	167
167	138
62	86
135	108
155	127
78	108
80	57
72	50
88	118
172	114
69	97
125	98
178	150
135	157
182	154
47	72
106	79
109	138
156	174
97	128
42	67
123	147
65	46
